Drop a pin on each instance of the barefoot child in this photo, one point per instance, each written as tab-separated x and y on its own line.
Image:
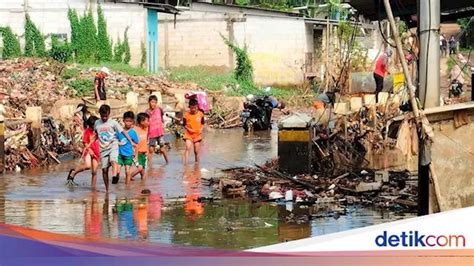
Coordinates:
90	154
126	151
107	130
142	147
193	122
156	131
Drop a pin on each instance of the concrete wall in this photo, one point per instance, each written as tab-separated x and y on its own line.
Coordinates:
453	156
276	42
51	17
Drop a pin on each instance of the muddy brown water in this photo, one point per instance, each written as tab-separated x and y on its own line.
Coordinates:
39	199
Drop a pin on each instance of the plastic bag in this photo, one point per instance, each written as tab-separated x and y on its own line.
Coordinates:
201	97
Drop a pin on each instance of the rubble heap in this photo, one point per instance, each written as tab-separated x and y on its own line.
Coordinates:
21	152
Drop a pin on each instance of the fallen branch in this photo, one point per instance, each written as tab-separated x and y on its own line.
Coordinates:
281	175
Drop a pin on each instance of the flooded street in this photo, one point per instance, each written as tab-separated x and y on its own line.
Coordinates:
170	214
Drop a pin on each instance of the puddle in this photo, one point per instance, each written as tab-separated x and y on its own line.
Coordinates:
171	213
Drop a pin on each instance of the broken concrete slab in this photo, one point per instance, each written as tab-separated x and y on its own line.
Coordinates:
356	104
341	108
381	176
296	120
369	99
365	187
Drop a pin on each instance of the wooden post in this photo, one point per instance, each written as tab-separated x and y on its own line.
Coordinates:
34	115
328	28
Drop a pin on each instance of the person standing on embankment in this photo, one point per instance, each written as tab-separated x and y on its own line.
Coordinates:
380	71
99	84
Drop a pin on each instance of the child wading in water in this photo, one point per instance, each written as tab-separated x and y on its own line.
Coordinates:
142	147
126	151
193	122
107	131
156	130
90	154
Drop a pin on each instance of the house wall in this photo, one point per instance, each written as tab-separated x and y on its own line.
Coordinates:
276	42
50	16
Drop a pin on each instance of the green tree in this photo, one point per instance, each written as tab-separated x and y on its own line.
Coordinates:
104	47
467	27
34	40
118	51
60	51
87	39
11	45
126	48
75	30
143	54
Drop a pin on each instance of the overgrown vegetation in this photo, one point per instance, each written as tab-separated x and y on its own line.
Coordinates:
243	71
104	52
34	40
122	50
11	45
143	54
70	73
126	48
60	51
91	43
75	30
467	26
88	39
82	87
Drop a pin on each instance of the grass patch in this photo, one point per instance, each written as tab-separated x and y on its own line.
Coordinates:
119	67
203	77
217	81
82	87
451	64
70	73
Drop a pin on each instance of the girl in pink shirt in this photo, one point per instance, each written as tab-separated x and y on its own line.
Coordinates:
156	130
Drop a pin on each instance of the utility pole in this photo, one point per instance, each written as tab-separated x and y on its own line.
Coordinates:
423	168
428	30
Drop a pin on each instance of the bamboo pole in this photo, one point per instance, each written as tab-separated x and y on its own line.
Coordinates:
398	42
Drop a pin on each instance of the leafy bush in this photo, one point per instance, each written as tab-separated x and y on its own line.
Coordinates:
82	87
467	27
11	45
60	51
118	52
70	73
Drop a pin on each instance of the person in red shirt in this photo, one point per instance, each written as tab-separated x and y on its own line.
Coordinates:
381	71
90	154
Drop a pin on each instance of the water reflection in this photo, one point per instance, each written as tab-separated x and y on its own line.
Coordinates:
93	215
192	178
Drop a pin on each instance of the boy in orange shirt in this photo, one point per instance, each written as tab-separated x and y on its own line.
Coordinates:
193	123
142	146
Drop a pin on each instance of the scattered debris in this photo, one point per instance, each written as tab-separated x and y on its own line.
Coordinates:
265	183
